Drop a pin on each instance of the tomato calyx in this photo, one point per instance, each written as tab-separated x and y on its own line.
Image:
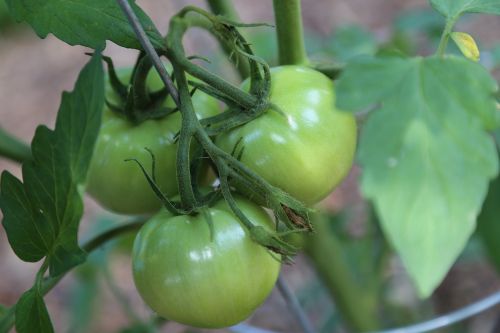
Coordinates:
134	100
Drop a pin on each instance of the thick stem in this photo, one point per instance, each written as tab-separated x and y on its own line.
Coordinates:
323	248
13	149
188	127
291	47
175	48
445	37
224	8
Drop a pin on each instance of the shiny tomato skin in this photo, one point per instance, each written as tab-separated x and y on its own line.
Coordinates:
306	151
120	186
186	276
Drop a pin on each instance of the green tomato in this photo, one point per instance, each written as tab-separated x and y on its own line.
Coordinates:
186	276
120	186
307	151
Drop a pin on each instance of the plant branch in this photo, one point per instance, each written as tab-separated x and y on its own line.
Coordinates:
13	148
323	248
445	36
288	209
178	26
226	8
290	33
149	48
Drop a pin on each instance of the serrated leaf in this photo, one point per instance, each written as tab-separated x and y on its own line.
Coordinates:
83	22
455	8
31	236
41	216
31	314
426	157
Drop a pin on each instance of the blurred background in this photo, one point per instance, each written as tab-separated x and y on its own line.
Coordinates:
100	295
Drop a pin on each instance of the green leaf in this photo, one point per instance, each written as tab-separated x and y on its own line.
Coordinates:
455	8
351	41
41	216
29	234
84	22
31	314
426	156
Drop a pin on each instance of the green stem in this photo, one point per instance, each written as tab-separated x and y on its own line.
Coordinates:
13	149
226	8
7	321
287	209
290	33
325	251
178	27
445	36
101	239
188	127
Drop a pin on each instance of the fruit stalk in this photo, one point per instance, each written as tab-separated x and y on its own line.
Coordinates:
290	33
13	149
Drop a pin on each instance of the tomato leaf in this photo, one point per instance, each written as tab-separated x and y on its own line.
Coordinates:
454	8
31	314
426	157
41	216
83	22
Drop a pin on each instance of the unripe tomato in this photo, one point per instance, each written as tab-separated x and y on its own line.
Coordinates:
307	151
186	276
120	186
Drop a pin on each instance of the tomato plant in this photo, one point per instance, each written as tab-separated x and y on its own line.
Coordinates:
308	148
201	277
427	155
119	185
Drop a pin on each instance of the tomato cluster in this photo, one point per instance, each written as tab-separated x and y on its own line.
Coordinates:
204	269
